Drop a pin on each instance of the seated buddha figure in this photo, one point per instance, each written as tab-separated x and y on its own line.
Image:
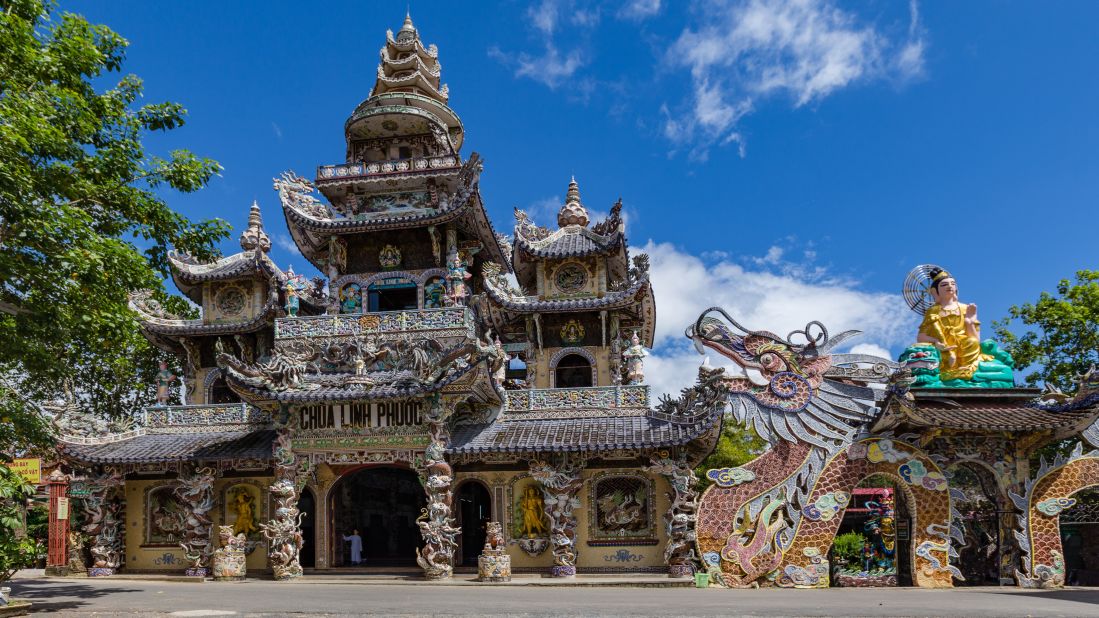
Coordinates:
953	330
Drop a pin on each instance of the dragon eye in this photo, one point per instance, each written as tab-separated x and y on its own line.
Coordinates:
772	361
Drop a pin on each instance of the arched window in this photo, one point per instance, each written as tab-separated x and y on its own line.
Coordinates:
573	371
221	393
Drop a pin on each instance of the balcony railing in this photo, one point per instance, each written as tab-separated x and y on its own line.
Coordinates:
204	414
380	168
600	397
446	322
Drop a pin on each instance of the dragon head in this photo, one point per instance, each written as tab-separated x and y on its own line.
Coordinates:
792	387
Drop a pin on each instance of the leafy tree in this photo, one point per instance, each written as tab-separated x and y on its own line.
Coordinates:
82	220
736	446
1060	334
16	551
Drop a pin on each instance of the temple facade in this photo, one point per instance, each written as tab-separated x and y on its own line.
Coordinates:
450	398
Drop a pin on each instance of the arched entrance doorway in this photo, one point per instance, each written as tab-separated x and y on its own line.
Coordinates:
1080	539
474	510
382	503
307	506
979	558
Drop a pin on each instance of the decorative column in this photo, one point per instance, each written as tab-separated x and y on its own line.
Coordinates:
561	483
436	521
283	532
102	509
682	514
57	558
196	490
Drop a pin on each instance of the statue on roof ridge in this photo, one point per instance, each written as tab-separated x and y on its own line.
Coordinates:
948	352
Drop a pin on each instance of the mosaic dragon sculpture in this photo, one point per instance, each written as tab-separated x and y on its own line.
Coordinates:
1052	488
772	520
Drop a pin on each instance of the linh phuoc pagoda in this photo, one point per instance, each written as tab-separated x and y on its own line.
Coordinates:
458	399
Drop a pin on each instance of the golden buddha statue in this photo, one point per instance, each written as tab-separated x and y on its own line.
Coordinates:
953	328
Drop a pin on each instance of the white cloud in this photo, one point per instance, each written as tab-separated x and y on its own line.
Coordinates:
286	243
802	49
277	129
549	67
872	349
773	296
639	9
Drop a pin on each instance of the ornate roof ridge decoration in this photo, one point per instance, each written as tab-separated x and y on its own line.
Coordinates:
254	237
503	294
565	242
613	222
1087	394
408	39
305	211
409	368
155	319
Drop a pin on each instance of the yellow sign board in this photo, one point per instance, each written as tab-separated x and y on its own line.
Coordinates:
29	468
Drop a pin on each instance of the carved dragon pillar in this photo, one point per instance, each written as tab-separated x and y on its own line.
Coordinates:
436	522
682	514
196	490
561	483
102	510
283	532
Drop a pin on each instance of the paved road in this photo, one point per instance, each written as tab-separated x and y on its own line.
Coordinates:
268	598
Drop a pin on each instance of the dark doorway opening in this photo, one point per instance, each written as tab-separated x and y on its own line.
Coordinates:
401	297
573	371
1080	539
307	506
383	504
220	392
474	511
980	557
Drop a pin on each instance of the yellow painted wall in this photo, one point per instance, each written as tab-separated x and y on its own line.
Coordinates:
160	558
604	556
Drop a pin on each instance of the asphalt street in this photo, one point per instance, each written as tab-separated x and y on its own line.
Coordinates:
73	597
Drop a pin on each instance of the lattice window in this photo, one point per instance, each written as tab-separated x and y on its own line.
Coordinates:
621	508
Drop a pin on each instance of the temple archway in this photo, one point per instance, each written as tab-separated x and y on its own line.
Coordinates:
382	503
474	509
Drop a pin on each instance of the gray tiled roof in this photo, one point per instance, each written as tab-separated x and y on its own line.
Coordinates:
156	448
997	416
577	434
569	243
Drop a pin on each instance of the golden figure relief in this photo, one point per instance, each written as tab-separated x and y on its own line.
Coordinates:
534	513
953	328
244	505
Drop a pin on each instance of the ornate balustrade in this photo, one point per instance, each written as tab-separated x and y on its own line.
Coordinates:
380	168
597	397
204	414
420	323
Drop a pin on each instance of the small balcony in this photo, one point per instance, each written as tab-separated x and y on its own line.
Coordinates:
384	325
346	171
608	398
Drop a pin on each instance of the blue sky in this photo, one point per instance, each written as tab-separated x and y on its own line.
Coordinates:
789	160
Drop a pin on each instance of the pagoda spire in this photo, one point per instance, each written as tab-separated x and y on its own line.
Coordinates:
573	212
254	237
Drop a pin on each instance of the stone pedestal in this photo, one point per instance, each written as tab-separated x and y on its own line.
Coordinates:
563	570
230	560
494	567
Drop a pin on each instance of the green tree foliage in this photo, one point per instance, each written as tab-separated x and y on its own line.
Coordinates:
735	447
16	551
848	547
1060	334
82	220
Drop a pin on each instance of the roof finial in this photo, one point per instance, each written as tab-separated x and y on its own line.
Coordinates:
254	237
573	212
